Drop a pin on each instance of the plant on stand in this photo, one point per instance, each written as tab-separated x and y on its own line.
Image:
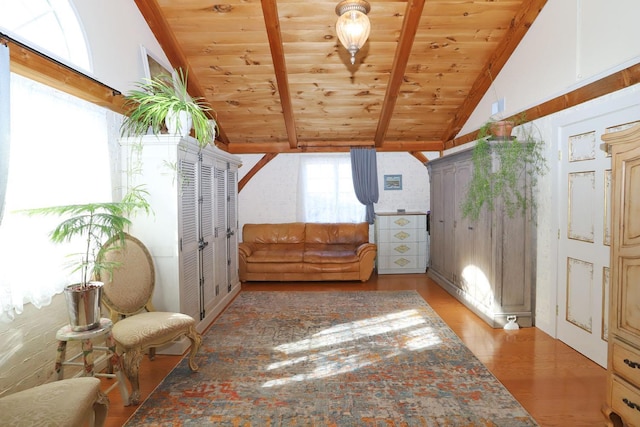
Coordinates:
93	224
505	168
158	101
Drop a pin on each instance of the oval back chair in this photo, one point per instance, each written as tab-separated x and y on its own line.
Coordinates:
137	328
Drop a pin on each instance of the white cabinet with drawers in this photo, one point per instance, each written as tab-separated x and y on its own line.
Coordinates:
402	242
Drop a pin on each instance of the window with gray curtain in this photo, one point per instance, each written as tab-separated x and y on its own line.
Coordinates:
364	169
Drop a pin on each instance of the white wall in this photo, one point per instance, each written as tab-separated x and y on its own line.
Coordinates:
571	43
115	31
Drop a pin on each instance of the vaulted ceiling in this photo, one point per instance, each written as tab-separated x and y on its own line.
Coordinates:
280	81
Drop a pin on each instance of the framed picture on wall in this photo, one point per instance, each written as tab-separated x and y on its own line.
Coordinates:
393	182
153	66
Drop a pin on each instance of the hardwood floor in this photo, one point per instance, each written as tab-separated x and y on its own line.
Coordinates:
557	385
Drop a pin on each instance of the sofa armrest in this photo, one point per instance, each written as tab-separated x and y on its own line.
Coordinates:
245	249
364	248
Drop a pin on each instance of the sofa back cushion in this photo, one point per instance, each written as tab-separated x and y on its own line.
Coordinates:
337	233
292	232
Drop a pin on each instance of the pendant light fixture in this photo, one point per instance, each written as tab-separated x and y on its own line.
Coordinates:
353	25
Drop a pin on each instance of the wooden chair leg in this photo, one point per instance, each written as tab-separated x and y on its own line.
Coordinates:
196	342
131	365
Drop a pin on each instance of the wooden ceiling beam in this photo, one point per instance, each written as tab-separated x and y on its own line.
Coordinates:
255	169
152	13
420	157
516	32
611	83
332	146
410	23
272	22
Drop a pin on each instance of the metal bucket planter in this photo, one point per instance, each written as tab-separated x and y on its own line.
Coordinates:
83	305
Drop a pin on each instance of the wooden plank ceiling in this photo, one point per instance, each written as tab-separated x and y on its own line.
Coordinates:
280	81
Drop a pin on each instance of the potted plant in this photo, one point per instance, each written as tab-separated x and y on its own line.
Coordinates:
504	168
158	101
94	224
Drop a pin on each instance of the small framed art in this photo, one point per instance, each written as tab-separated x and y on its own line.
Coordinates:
393	182
152	65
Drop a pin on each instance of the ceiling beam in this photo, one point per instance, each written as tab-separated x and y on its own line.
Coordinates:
152	13
332	146
254	170
611	83
516	32
403	50
272	22
420	156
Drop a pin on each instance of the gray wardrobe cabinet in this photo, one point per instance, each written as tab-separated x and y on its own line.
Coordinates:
488	264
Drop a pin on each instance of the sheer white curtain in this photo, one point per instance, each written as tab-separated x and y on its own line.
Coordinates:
59	154
326	191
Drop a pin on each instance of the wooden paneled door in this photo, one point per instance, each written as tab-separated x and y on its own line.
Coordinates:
584	233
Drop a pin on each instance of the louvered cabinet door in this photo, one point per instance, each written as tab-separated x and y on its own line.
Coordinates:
189	235
209	295
220	221
232	225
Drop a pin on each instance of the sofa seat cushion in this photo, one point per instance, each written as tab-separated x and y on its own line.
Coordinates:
330	268
330	254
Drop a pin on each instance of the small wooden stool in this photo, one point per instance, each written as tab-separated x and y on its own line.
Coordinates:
114	363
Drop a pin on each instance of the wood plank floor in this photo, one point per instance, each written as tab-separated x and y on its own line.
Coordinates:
557	385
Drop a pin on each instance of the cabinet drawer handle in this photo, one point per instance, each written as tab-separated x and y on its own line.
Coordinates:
631	364
631	405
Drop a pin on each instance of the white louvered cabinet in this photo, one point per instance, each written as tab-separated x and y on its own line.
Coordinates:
402	242
191	233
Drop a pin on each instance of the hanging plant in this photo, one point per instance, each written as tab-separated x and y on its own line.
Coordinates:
157	99
501	166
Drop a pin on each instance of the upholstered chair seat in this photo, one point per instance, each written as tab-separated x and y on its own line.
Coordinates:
138	328
71	402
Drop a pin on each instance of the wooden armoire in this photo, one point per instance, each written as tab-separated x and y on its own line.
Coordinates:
623	362
487	264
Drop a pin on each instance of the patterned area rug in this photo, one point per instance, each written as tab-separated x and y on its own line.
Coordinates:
331	359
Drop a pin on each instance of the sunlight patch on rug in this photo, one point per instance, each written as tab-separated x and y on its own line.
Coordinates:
401	327
331	359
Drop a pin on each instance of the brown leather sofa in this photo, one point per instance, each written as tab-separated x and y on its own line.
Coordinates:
306	251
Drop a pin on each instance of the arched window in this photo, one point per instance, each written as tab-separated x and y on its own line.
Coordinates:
49	26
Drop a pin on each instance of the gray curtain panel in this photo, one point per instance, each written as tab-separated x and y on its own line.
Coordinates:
4	125
364	170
